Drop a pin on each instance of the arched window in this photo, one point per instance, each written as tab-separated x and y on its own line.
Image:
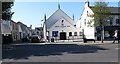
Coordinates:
80	33
70	33
75	33
62	22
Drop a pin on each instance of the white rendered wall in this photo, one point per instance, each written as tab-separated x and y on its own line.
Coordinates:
68	27
56	16
89	32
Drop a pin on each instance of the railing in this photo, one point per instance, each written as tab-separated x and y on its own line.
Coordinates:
68	39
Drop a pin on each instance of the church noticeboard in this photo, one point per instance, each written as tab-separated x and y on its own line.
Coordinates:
55	33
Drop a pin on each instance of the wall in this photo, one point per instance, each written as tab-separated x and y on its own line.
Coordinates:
67	27
15	31
89	32
56	16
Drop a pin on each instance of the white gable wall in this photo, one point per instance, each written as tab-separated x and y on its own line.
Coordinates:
56	16
60	22
67	27
85	18
89	32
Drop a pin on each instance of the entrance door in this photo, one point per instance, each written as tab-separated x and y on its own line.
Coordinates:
63	36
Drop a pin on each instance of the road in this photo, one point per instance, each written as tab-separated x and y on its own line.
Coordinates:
60	53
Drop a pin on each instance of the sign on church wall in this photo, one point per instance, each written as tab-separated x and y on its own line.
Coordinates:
55	33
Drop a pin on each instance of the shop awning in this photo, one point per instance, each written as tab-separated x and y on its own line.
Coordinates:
5	29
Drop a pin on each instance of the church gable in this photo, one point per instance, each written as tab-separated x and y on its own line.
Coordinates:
62	23
56	16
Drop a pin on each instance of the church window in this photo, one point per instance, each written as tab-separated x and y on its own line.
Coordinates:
80	33
75	33
62	22
70	33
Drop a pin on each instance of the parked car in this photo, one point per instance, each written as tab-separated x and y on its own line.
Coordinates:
35	39
26	39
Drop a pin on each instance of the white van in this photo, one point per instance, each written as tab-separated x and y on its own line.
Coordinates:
89	34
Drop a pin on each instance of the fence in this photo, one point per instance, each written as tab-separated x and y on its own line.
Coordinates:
68	39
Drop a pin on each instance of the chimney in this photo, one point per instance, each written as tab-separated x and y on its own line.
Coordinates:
87	3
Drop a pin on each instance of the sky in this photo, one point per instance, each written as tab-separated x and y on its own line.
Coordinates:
31	13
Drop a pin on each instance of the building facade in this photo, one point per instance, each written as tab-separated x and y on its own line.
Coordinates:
60	26
38	31
6	32
88	31
14	31
5	27
87	16
24	31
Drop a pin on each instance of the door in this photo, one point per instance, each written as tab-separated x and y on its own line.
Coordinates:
63	36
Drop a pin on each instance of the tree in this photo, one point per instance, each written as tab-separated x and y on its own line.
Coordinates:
6	10
101	15
5	13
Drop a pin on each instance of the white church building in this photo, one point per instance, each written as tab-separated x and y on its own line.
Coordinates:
60	26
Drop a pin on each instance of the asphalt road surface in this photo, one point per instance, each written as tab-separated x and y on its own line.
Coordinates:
60	53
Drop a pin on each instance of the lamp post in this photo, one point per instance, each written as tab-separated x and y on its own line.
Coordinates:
0	32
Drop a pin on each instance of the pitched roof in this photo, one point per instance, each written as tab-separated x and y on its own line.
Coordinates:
58	14
113	10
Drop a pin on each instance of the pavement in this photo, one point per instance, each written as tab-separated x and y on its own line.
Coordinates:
66	42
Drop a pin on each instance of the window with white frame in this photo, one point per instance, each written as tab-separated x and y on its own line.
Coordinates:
75	33
70	33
